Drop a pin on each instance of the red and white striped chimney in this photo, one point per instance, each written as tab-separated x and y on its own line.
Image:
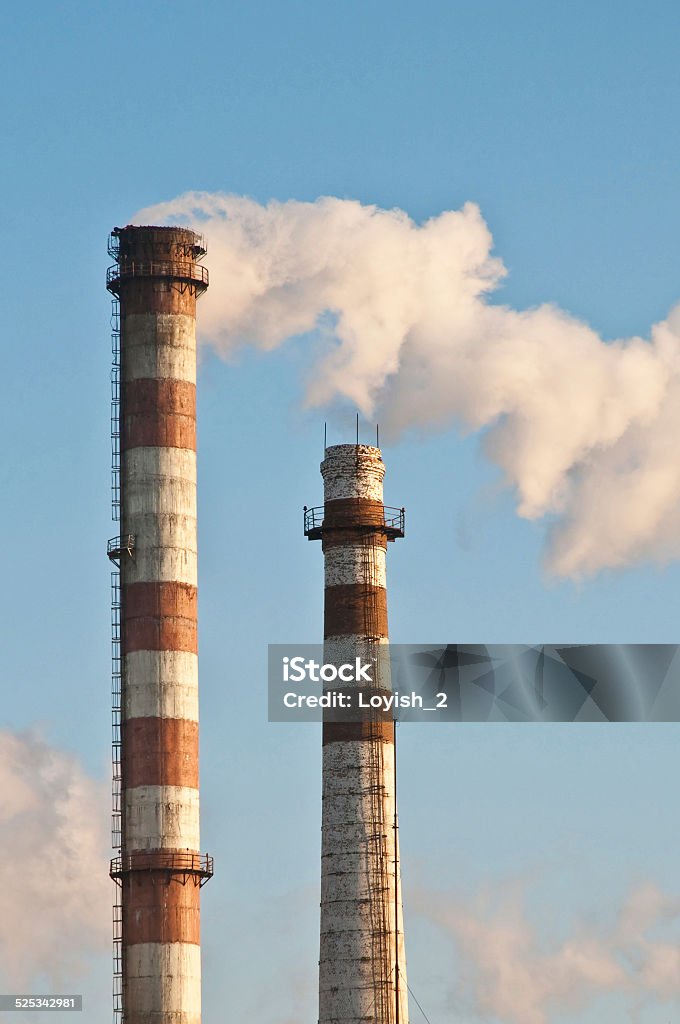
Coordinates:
157	280
362	965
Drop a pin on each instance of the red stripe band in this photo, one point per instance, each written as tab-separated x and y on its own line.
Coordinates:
160	752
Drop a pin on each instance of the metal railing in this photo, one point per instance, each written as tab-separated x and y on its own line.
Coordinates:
117	545
177	862
176	270
393	521
195	250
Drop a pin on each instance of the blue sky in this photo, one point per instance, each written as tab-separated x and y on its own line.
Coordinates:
560	121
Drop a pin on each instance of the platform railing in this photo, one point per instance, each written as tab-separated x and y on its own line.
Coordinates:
178	862
176	270
393	521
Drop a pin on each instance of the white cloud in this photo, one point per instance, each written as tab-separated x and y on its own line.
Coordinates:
54	833
505	971
583	430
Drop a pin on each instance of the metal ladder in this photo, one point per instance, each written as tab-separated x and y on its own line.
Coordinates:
377	861
116	667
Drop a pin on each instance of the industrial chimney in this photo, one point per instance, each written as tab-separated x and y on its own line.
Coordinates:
156	280
362	966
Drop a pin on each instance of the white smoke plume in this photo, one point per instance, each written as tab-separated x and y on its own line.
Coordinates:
505	972
54	834
584	430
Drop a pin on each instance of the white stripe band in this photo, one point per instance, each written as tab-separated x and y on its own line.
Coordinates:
159	480
163	978
161	684
177	564
354	563
159	346
161	817
165	547
351	471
